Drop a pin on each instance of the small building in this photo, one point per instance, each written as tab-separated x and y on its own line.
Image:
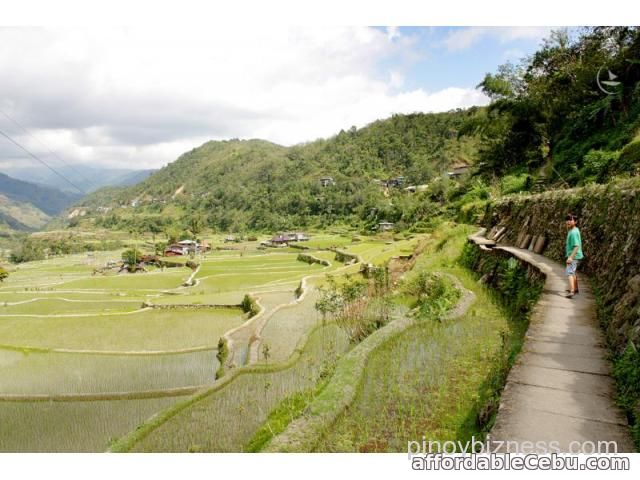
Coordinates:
394	182
416	188
298	237
385	226
327	181
174	251
230	239
458	169
280	239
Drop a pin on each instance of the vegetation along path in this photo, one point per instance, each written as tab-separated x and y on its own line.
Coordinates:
560	389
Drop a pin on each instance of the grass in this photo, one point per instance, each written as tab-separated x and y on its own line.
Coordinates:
146	330
72	426
287	411
57	306
62	373
426	381
436	379
287	326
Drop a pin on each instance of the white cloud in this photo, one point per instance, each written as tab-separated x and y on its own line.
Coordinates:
138	98
393	33
463	38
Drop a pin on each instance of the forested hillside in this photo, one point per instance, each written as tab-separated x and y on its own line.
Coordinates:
569	114
239	185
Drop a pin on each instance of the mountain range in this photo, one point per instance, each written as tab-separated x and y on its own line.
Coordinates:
87	178
30	199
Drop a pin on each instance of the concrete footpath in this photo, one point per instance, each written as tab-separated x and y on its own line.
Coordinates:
560	389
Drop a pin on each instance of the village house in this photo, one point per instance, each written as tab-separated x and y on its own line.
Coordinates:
416	188
284	239
395	182
185	247
175	250
458	169
385	226
327	181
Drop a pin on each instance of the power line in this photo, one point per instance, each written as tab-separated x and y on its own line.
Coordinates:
82	177
43	162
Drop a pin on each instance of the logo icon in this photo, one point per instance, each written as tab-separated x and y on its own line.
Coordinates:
610	82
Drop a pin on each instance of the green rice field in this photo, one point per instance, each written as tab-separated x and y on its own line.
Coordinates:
85	358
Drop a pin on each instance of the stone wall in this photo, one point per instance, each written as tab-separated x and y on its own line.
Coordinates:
188	306
609	221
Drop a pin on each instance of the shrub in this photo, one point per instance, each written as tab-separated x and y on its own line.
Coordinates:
629	157
191	264
250	306
222	355
597	164
310	259
131	257
626	371
358	307
433	294
515	183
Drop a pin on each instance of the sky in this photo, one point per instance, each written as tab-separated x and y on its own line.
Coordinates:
138	97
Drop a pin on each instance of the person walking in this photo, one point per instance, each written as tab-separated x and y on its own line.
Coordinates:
573	253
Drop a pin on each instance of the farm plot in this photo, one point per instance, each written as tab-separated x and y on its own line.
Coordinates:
154	330
139	282
288	325
226	418
72	426
66	331
63	305
252	279
35	373
427	381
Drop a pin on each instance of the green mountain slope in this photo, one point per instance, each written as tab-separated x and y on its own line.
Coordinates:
21	215
50	200
256	184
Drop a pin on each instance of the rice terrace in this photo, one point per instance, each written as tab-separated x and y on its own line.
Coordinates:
454	274
86	358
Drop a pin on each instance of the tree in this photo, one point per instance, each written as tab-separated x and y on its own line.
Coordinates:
195	225
131	257
3	274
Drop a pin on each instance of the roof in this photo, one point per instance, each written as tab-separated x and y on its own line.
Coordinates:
460	164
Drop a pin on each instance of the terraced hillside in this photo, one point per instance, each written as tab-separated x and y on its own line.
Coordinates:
85	358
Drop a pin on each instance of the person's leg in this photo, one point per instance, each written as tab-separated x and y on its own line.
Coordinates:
571	275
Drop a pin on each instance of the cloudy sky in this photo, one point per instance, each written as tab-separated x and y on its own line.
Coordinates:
139	97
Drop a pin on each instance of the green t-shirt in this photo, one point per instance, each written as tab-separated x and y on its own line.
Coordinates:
573	239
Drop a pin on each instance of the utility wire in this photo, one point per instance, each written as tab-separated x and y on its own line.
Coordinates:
82	177
43	162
